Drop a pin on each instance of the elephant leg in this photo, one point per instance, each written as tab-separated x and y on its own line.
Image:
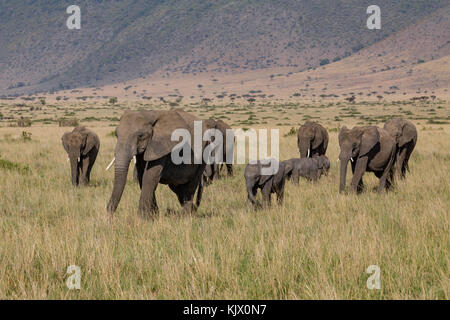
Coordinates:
358	172
384	183
92	158
199	193
79	173
400	163
216	171
280	193
405	166
83	173
280	197
139	169
266	194
388	171
150	181
252	190
185	194
295	177
229	169
360	187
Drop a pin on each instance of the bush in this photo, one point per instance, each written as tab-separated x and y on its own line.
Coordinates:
324	62
12	166
292	132
26	136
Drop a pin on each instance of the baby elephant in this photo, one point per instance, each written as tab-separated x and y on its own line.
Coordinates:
267	175
82	146
301	167
323	163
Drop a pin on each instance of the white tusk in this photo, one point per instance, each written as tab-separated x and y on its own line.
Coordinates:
351	159
79	159
110	165
134	159
337	160
68	159
308	154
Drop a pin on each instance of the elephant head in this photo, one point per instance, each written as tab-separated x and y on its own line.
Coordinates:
355	143
310	137
324	164
280	176
77	144
272	169
288	167
147	134
402	130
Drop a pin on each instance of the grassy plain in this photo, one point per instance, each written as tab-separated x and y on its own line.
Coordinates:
317	245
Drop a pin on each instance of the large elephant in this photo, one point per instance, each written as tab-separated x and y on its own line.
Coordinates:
147	136
212	171
370	149
405	134
312	140
82	146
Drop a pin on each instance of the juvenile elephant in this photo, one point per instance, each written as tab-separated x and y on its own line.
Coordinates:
324	164
269	182
370	149
405	135
312	140
147	136
82	146
301	167
212	171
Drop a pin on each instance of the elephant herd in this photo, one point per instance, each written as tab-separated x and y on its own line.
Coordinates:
146	138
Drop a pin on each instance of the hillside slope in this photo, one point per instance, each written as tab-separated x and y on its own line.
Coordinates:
122	40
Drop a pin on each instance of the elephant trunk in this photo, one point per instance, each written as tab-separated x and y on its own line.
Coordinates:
305	150
120	178
344	162
74	166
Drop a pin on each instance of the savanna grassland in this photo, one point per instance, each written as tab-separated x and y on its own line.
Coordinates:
317	245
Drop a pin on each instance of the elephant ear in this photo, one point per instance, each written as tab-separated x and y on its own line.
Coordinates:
318	137
408	134
160	142
91	141
369	139
264	179
342	132
267	163
65	141
280	175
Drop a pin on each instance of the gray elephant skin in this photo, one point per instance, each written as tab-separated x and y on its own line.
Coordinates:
370	149
273	183
146	135
212	171
312	140
324	165
301	167
82	146
405	134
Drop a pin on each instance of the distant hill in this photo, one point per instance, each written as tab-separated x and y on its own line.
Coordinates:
129	39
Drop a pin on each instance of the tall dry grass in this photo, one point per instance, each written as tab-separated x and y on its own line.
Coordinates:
317	245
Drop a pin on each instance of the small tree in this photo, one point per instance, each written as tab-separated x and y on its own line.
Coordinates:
113	100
